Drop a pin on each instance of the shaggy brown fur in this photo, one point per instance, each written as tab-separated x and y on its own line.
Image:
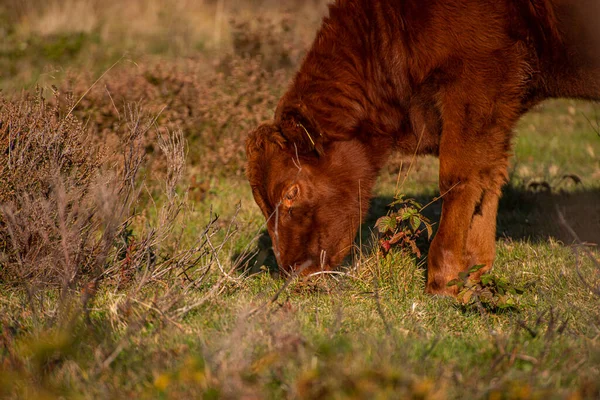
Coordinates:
445	77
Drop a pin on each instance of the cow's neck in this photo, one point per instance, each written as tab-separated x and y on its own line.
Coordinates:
345	83
353	91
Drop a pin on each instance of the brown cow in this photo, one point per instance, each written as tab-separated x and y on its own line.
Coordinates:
443	77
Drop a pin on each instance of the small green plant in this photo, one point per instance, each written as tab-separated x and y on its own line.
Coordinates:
403	225
490	292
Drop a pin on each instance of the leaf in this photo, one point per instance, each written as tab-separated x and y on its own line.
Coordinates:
408	213
463	275
455	282
486	280
385	224
476	268
470	283
385	246
399	199
414	248
519	290
467	296
415	203
415	222
429	230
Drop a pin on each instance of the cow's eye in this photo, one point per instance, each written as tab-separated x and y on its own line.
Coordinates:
291	195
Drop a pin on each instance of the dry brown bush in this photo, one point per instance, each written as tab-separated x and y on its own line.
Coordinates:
77	246
214	109
70	171
71	218
51	206
214	102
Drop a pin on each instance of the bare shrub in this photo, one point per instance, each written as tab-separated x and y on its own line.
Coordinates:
52	205
70	217
75	223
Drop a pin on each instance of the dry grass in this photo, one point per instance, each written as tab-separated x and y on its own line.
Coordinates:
42	41
215	102
75	235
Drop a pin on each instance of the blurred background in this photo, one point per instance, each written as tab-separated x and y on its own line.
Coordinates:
40	39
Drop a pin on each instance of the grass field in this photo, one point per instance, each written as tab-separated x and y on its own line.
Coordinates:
134	262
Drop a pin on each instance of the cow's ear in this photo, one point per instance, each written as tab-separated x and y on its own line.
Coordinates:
301	132
255	149
265	131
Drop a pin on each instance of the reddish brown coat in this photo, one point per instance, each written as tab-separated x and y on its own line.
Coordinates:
445	77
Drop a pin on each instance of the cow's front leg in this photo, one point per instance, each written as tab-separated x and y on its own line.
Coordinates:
448	252
467	231
481	239
474	150
466	236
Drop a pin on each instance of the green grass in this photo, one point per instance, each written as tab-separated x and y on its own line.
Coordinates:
370	332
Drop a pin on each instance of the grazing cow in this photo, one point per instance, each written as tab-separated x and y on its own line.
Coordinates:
443	77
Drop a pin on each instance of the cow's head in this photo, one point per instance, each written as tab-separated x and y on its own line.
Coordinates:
313	192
